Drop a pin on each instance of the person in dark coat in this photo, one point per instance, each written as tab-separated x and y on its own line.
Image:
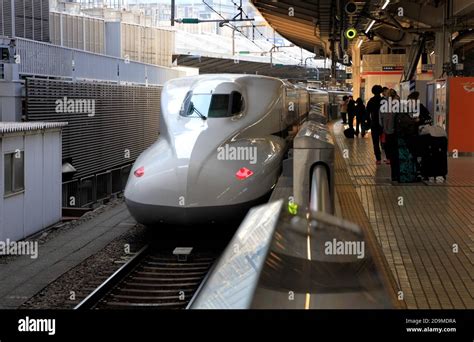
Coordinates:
387	119
361	117
351	111
373	108
423	116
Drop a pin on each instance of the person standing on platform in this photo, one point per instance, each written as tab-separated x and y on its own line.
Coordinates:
343	109
351	111
423	115
361	117
385	96
373	109
387	121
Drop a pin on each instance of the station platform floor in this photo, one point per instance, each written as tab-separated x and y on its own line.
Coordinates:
418	237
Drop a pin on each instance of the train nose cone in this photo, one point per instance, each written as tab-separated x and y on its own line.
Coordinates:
166	187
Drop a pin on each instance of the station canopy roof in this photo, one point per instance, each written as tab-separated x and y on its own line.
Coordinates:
212	65
312	24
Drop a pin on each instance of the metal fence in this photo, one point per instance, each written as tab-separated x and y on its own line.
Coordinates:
27	18
84	192
124	123
43	59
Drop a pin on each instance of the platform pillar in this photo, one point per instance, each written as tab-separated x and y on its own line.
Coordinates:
355	71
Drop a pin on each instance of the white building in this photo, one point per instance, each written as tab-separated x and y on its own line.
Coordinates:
30	177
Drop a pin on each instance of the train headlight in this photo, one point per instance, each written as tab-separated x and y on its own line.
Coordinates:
139	172
243	173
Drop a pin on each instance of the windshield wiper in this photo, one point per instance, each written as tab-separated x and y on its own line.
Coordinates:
194	109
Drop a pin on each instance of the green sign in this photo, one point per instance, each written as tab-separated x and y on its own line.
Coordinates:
190	21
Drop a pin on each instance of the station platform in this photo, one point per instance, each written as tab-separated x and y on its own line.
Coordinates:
417	237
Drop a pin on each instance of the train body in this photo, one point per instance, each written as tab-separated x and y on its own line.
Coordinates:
220	150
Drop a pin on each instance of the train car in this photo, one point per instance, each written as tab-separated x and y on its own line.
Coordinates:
296	99
220	149
319	104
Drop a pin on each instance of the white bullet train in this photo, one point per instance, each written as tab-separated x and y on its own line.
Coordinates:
220	150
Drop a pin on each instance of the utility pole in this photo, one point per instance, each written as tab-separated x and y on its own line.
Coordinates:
172	12
233	41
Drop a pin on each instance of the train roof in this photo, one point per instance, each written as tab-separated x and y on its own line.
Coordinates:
228	77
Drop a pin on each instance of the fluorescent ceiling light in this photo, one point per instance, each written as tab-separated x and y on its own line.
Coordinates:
370	26
385	4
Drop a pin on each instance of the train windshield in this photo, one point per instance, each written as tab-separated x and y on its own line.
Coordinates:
212	105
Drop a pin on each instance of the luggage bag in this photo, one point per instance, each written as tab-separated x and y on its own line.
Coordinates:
434	159
407	163
349	133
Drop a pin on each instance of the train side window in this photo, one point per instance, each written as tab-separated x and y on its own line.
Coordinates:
185	107
212	105
219	107
237	102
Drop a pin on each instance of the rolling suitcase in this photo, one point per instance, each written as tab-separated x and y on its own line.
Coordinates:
349	133
434	160
407	172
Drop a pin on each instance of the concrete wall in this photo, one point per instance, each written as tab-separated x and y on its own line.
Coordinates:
10	100
373	70
39	205
113	43
385	80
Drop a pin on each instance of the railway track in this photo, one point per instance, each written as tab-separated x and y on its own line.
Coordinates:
154	278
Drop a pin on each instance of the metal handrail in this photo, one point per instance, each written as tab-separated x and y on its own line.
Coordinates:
320	195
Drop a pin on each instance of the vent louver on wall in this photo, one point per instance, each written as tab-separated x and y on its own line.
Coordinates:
30	17
125	122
